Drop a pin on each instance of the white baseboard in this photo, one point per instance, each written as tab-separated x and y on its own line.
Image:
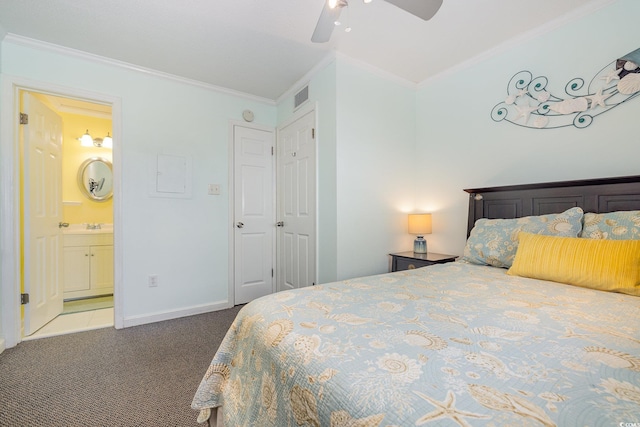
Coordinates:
175	314
1	345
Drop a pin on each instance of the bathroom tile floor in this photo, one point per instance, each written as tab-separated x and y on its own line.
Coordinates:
87	304
75	322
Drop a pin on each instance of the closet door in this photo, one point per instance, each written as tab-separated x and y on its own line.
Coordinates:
254	214
296	163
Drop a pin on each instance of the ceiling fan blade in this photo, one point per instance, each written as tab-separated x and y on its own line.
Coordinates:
424	9
326	23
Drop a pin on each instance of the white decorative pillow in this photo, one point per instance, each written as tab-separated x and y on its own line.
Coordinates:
495	241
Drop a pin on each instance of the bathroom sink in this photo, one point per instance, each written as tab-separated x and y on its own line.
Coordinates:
83	229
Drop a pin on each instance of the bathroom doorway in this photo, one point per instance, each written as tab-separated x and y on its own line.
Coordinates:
66	215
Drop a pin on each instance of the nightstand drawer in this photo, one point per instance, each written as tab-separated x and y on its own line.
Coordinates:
410	260
410	264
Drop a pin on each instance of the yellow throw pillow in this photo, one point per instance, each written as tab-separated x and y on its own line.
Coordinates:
608	265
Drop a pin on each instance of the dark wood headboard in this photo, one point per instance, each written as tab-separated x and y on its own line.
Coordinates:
592	195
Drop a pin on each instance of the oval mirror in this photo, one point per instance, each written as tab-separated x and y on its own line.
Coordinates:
95	178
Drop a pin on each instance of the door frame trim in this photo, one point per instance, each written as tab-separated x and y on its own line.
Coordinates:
10	244
230	190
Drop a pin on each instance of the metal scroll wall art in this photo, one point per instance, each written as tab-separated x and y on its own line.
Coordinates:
529	103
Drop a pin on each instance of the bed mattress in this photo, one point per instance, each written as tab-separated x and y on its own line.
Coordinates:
451	344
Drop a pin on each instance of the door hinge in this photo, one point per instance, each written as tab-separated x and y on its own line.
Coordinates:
313	283
272	272
24	299
24	119
272	150
313	133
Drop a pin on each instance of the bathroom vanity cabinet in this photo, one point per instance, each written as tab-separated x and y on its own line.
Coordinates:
88	264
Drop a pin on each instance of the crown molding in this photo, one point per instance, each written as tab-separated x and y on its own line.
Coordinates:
328	59
50	47
575	15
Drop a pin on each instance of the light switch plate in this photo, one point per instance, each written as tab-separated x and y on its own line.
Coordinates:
214	189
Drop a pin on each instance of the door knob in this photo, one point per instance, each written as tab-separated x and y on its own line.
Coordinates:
239	224
280	224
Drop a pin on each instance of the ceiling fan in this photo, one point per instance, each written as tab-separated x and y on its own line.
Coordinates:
424	9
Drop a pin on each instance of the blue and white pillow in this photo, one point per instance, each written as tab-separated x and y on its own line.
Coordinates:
621	225
495	241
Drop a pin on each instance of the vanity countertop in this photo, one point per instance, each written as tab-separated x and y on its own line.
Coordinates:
82	229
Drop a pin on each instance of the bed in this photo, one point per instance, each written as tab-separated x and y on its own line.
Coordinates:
507	335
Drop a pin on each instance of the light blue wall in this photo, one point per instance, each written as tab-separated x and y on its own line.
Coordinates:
461	147
375	167
323	91
183	241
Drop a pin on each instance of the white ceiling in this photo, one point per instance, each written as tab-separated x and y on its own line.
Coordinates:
263	47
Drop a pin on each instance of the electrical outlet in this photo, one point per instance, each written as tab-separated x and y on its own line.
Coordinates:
214	189
153	280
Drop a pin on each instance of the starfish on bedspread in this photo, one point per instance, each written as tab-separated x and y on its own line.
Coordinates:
446	409
289	309
570	333
415	321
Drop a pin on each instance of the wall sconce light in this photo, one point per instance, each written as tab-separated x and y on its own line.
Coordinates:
420	224
87	141
107	141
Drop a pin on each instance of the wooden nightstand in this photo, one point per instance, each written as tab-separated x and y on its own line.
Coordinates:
410	260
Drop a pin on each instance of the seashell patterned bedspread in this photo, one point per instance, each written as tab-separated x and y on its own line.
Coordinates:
451	344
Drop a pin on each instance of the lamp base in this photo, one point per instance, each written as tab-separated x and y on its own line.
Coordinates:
420	245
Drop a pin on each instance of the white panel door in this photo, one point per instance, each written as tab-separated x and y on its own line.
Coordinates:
254	222
42	204
296	163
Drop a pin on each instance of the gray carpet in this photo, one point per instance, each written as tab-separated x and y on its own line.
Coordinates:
140	376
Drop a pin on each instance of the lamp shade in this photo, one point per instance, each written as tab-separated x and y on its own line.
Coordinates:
420	224
107	141
86	140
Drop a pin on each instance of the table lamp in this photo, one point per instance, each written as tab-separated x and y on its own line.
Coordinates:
420	224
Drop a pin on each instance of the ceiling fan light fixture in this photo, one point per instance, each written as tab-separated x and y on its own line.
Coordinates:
329	18
337	4
347	30
330	15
